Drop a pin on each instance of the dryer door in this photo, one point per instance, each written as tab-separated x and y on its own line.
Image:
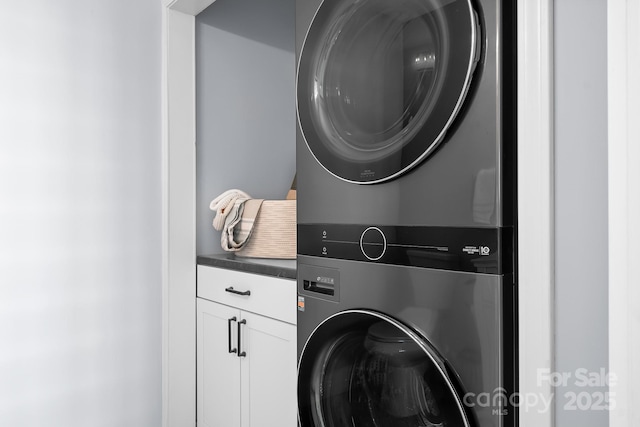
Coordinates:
366	369
380	82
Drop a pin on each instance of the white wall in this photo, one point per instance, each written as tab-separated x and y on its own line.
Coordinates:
245	104
80	213
581	209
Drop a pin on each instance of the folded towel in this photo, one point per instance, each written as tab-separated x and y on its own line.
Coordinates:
239	224
236	213
223	205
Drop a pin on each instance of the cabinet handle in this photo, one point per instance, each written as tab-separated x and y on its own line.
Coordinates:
240	352
233	319
233	291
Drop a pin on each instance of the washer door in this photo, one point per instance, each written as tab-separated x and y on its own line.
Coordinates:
366	369
380	82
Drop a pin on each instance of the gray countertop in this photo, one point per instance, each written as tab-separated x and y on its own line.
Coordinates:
285	268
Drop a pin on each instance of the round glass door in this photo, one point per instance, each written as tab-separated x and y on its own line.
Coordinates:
380	82
365	369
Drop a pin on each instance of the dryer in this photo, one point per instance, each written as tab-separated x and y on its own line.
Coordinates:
406	112
406	213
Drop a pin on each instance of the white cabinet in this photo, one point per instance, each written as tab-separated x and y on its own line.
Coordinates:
218	372
246	350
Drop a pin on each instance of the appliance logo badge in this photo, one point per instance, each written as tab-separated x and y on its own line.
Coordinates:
477	250
300	303
327	280
367	174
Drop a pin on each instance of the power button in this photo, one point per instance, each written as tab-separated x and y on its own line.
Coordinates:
373	243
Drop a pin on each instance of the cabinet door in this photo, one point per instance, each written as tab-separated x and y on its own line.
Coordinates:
268	372
218	376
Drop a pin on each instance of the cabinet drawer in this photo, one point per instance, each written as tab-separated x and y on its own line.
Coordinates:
269	296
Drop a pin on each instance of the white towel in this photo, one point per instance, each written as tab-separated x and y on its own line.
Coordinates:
224	204
236	213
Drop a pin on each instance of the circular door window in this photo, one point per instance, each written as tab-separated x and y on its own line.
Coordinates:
380	82
365	369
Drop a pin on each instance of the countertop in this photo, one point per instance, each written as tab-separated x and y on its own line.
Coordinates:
285	268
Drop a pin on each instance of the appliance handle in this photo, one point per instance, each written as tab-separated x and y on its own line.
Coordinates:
233	291
240	352
229	321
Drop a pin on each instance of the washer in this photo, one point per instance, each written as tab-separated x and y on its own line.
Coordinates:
406	213
394	346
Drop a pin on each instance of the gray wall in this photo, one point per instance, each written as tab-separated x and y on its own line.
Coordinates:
80	213
245	80
581	205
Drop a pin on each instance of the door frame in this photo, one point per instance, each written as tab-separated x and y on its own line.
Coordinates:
536	275
624	208
535	179
179	212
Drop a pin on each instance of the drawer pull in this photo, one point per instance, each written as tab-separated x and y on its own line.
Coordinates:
229	321
240	352
233	291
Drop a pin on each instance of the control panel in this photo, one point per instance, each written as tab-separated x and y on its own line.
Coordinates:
482	250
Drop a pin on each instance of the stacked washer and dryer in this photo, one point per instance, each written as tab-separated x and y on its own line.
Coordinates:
406	213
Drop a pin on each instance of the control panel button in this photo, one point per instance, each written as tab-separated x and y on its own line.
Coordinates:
373	243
